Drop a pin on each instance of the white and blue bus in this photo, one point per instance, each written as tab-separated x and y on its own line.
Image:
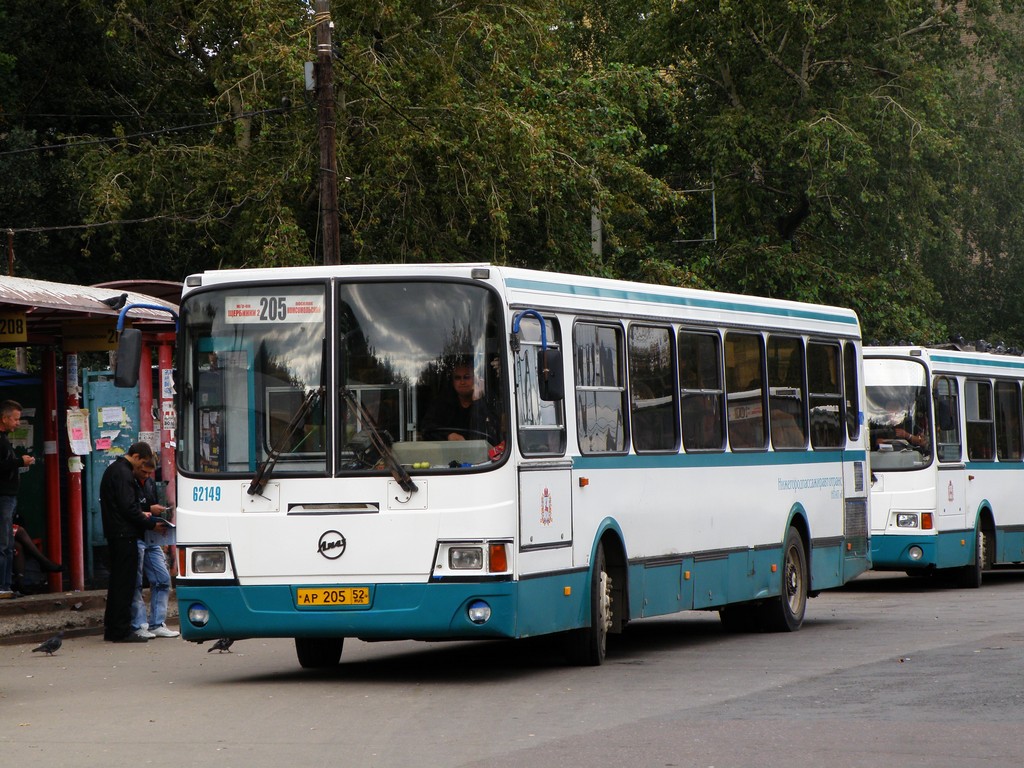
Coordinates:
947	463
625	451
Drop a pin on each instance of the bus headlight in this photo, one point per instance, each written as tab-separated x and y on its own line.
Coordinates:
209	561
489	559
906	520
466	558
479	612
915	553
198	614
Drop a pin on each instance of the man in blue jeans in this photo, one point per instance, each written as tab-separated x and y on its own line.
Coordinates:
152	563
124	522
10	479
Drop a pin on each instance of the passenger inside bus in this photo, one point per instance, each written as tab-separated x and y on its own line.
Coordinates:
896	429
461	412
702	423
918	436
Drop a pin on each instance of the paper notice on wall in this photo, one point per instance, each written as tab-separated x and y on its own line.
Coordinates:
111	414
170	417
78	432
166	385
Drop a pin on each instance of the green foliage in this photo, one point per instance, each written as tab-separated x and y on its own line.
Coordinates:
860	153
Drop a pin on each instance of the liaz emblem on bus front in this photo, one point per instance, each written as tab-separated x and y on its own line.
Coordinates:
331	545
546	517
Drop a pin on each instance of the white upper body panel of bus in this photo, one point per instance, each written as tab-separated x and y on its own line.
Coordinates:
954	362
578	293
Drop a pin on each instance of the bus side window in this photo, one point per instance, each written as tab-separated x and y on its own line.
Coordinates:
826	395
700	391
852	390
600	391
541	422
652	389
980	428
1008	421
744	386
786	391
947	420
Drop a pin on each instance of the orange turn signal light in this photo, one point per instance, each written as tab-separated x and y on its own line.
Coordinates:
498	558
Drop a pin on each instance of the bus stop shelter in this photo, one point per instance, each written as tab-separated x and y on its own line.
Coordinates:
66	320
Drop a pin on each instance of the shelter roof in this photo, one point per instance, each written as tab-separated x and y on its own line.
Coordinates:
49	305
166	290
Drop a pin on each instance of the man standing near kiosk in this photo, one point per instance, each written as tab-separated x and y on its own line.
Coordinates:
10	479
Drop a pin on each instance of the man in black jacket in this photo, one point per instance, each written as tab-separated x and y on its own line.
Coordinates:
10	478
124	522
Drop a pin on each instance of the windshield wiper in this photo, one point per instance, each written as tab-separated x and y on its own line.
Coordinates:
380	444
259	480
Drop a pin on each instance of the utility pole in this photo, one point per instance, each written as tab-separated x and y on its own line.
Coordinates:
325	120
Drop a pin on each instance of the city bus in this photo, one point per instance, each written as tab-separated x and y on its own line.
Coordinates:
947	466
624	451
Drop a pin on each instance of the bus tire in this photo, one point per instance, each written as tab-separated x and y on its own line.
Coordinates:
970	575
785	613
587	647
318	652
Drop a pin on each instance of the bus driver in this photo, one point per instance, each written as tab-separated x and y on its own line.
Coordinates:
460	414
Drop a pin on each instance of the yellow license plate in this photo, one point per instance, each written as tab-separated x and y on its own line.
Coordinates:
332	597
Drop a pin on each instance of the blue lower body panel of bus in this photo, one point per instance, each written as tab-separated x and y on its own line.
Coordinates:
950	549
427	611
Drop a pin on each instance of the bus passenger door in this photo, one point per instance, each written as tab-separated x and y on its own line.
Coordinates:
952	477
545	504
951	498
545	473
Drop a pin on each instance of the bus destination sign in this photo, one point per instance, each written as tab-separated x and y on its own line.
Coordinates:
273	308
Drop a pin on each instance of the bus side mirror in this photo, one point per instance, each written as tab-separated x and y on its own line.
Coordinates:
549	369
129	355
944	415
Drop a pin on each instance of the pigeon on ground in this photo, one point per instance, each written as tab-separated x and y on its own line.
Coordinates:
224	644
49	646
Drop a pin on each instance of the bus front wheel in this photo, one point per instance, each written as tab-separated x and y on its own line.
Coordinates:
785	613
318	652
971	575
587	647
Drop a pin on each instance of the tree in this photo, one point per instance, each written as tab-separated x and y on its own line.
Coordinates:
860	153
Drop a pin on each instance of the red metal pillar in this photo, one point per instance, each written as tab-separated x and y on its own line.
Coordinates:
75	546
146	392
51	465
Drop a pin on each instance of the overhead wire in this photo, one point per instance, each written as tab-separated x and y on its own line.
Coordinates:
145	134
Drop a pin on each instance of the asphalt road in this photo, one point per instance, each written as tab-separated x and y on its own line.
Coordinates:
889	671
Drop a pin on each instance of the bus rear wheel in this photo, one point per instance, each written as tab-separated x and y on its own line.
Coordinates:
588	646
318	652
785	613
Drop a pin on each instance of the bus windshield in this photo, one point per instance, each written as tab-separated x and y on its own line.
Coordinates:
421	373
898	414
417	366
252	358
